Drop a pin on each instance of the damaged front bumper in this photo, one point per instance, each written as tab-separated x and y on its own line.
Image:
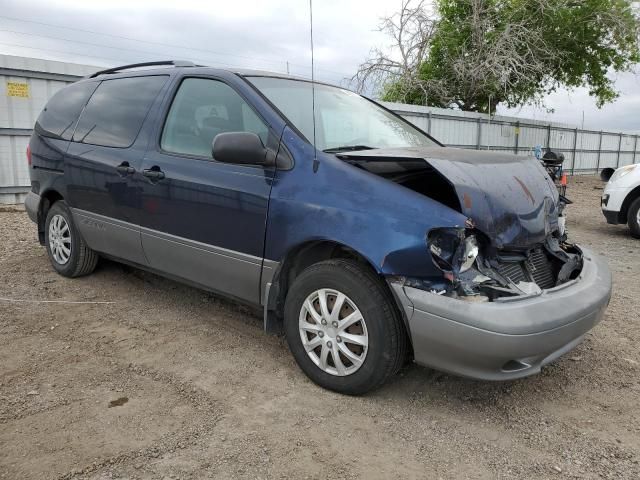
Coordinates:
511	337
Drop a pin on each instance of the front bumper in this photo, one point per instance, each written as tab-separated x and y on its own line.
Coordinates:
611	203
506	339
613	218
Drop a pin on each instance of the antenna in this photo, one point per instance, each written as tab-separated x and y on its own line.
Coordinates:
313	89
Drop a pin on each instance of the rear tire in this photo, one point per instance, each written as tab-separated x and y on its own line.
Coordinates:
381	341
633	217
68	252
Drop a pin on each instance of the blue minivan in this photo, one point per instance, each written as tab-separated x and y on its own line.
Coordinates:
360	237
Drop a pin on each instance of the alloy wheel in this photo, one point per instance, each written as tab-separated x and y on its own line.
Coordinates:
333	332
60	239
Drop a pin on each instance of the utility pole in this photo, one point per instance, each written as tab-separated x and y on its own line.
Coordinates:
489	126
581	139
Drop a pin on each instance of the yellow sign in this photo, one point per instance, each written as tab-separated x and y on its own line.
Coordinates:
15	89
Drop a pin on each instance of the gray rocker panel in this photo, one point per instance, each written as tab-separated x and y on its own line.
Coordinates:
109	235
227	271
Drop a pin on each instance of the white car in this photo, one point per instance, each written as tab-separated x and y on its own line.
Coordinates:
621	198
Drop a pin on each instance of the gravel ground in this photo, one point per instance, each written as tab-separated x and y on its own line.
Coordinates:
171	382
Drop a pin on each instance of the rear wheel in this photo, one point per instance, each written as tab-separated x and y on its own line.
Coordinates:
342	327
634	218
68	252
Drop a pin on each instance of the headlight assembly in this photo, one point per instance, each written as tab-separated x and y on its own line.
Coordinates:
470	254
453	250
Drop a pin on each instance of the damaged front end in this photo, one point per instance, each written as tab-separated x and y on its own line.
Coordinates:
514	241
499	292
474	271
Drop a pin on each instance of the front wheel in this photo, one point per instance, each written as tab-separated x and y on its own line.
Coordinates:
634	218
342	327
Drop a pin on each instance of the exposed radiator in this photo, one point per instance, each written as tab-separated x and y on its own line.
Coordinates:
541	269
537	268
514	271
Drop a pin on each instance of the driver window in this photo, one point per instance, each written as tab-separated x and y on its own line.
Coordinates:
203	108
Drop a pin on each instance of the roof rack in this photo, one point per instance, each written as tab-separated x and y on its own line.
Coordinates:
175	63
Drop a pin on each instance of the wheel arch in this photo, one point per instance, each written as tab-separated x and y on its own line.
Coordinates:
296	261
302	256
629	199
47	199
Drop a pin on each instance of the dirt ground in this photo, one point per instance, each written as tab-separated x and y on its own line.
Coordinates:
171	382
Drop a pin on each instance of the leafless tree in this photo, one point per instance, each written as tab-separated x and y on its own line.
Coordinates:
515	56
411	30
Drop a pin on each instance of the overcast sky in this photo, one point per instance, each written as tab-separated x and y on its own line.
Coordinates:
248	33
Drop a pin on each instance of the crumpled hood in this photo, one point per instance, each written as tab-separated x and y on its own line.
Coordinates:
510	198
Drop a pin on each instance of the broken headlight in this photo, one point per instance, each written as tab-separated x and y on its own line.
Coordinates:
453	250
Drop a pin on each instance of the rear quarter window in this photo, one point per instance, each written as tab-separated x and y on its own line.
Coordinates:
58	119
115	113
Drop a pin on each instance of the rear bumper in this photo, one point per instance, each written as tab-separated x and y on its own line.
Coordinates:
32	205
507	339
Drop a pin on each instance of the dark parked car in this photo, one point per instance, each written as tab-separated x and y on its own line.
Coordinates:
361	237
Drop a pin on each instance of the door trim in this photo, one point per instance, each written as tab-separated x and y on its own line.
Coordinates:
120	239
243	257
109	235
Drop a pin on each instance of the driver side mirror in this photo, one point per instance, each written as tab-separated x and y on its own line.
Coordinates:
241	148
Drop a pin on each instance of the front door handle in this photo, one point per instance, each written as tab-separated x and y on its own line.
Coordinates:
153	173
125	169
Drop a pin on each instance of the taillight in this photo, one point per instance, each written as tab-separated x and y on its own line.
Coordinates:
29	154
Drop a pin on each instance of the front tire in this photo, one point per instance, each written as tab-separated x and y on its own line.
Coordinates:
69	254
634	218
343	327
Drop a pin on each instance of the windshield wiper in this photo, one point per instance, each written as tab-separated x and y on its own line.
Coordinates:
347	148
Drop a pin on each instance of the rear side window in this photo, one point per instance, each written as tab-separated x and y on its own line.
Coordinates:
58	119
116	110
203	108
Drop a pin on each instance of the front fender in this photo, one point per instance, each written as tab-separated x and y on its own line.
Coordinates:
333	200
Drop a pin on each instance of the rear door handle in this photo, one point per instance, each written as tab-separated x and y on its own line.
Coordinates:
153	174
125	169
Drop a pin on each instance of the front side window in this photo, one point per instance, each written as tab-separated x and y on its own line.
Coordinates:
203	108
115	112
343	118
58	119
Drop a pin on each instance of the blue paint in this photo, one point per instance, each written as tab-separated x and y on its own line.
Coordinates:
265	212
384	222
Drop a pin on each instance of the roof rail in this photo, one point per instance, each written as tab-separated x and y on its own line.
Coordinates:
175	63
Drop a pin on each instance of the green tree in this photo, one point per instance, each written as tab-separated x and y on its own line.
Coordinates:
481	53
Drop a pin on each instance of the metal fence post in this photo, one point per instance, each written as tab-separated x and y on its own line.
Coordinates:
599	152
429	122
517	141
619	145
575	144
479	134
635	147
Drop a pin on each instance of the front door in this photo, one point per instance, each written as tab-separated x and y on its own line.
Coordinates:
202	220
